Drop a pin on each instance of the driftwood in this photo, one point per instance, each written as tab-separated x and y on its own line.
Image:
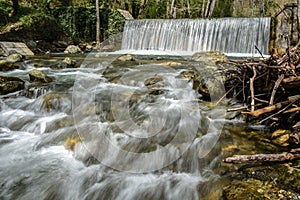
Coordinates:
282	157
269	89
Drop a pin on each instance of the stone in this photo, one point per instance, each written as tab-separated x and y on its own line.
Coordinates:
72	49
38	76
57	101
8	66
31	44
212	56
14	58
10	84
153	80
170	63
66	63
125	58
108	48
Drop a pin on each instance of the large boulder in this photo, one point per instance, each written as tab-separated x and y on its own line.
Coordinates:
38	76
72	49
11	62
10	84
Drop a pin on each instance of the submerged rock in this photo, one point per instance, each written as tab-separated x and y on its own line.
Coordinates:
10	84
57	101
38	76
72	49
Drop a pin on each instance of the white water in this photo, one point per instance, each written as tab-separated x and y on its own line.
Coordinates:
170	132
234	36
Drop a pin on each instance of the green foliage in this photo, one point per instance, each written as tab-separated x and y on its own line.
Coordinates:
41	26
224	8
80	22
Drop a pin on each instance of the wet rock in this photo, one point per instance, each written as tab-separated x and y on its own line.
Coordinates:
57	101
70	143
170	63
66	63
256	189
239	190
72	49
153	80
88	48
276	181
10	84
289	176
38	76
14	58
31	44
108	48
8	66
213	56
125	58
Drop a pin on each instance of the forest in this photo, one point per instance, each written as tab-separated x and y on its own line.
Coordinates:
77	18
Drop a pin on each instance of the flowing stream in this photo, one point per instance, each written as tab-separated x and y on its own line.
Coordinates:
115	129
109	131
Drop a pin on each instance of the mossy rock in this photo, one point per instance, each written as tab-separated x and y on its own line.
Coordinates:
10	84
289	176
240	190
15	57
38	76
72	49
8	66
66	63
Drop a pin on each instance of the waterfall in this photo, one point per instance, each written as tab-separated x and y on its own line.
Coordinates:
228	35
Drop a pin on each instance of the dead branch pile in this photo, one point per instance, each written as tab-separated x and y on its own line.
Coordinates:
270	90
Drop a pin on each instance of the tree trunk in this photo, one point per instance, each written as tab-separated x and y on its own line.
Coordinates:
97	25
210	8
173	9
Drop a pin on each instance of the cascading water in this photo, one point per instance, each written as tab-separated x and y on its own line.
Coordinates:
138	141
228	35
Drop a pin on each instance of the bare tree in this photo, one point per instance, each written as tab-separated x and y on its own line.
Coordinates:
97	25
210	6
173	9
142	6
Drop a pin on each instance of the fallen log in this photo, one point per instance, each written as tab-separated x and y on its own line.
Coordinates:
258	112
283	157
